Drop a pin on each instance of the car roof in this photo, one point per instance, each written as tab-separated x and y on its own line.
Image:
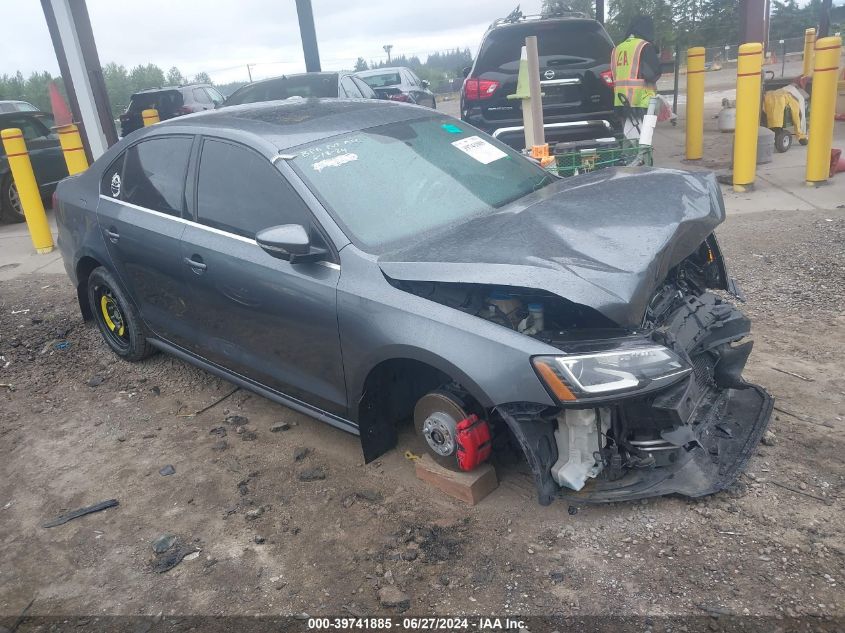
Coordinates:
324	73
293	122
170	88
20	113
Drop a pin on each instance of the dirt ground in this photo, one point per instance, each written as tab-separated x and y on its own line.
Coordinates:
78	426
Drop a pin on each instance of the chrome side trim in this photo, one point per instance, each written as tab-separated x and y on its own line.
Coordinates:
569	81
553	126
210	229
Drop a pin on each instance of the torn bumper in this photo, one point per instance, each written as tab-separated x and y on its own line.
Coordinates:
728	429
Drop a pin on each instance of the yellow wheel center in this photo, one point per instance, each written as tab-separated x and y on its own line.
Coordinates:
107	305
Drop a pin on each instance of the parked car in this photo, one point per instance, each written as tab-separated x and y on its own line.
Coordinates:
305	85
575	78
399	84
170	102
48	163
17	106
479	295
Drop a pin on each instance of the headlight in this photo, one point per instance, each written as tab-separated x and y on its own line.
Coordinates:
592	376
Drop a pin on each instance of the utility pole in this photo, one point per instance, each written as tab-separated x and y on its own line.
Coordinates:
309	35
387	48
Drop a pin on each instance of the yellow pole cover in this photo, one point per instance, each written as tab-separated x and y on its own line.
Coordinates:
72	149
150	117
825	76
748	84
695	103
28	192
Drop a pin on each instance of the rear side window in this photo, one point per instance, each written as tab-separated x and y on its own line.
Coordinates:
154	174
201	96
368	92
239	191
570	44
350	88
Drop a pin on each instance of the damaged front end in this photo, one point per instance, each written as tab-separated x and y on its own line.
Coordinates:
661	411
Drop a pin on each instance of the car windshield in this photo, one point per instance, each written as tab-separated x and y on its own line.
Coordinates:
306	86
389	184
385	79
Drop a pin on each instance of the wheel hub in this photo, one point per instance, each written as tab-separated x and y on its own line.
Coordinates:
439	430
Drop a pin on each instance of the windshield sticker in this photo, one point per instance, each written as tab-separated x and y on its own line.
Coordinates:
335	161
452	129
482	151
115	186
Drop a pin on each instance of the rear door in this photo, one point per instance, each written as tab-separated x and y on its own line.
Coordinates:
262	317
43	146
140	213
573	53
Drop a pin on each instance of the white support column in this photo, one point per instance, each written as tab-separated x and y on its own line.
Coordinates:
84	95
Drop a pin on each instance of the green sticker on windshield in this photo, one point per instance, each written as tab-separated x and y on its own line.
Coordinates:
452	129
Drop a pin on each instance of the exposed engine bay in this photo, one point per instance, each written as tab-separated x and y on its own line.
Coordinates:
643	411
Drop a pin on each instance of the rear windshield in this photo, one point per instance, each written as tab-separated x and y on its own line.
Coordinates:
306	86
380	81
166	101
387	185
572	44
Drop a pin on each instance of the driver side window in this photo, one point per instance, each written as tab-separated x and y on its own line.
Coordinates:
240	192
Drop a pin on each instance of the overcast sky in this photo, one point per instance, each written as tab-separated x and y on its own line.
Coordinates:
222	36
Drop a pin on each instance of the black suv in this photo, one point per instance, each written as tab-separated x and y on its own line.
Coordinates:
575	77
170	102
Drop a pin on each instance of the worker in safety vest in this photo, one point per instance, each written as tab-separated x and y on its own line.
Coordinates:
636	68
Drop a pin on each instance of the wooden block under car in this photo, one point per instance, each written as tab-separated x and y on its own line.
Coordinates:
471	487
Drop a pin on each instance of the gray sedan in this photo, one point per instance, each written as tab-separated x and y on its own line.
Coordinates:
368	263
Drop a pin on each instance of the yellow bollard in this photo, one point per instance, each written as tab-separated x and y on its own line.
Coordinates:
824	105
748	83
30	196
150	117
809	45
695	103
72	149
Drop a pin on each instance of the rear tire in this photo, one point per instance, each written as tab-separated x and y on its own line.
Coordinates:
783	140
11	211
116	316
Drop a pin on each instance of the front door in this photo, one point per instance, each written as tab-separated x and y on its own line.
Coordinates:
262	317
140	214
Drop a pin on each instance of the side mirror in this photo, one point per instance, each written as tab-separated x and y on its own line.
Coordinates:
466	70
425	83
289	242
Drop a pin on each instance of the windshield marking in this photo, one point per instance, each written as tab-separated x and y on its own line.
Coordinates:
335	161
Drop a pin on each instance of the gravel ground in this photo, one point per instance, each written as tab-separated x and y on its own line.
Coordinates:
290	520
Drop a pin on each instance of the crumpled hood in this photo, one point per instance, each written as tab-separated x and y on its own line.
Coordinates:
604	240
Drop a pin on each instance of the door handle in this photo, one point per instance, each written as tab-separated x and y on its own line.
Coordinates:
112	234
197	265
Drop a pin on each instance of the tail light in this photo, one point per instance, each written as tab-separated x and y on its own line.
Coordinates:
607	77
479	89
400	97
54	202
184	110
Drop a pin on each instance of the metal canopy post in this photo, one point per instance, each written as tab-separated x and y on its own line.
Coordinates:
309	35
73	41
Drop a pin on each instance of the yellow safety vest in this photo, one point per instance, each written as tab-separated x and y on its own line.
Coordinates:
625	64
